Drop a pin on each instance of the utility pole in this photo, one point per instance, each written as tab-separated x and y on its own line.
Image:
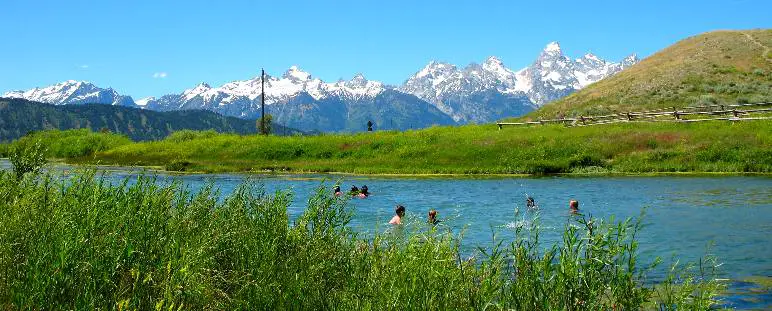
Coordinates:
262	101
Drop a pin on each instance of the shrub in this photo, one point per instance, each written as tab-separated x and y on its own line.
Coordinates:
706	100
178	165
188	135
74	143
27	158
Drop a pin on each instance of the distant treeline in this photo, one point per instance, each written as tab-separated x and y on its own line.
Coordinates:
19	117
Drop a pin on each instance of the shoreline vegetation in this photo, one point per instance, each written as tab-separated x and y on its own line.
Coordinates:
475	150
162	170
81	242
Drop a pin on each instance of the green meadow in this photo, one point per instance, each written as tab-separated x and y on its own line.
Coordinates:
641	148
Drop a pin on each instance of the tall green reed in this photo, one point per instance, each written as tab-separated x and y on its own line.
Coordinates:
82	242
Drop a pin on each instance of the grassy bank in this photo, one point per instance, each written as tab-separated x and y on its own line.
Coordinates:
79	242
69	143
618	148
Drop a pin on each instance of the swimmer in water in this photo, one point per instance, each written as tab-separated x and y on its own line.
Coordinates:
433	217
354	190
363	193
337	191
397	219
530	202
573	205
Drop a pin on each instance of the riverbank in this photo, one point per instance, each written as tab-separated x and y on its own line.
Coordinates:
618	149
334	175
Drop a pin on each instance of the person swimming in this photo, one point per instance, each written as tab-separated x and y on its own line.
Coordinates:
354	190
530	202
433	217
400	212
337	191
573	205
362	193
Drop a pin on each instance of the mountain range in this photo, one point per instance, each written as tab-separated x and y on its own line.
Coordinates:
19	117
438	94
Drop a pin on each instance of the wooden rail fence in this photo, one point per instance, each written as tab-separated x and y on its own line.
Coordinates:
739	112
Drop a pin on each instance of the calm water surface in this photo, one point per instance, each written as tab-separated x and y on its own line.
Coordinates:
686	217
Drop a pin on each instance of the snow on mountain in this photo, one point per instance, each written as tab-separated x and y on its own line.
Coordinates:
551	76
630	60
475	93
73	92
290	84
142	102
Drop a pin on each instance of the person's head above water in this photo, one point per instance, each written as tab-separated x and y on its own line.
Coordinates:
400	210
573	204
364	189
336	188
432	216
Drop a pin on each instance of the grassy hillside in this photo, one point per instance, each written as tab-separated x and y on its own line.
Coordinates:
715	67
635	148
19	117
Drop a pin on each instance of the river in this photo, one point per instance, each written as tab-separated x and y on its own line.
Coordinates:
685	217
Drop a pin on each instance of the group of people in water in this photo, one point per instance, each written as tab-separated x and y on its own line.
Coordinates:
573	205
400	213
530	202
354	192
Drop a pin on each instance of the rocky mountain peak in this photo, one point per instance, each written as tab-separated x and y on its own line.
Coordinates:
357	81
493	61
552	48
296	74
630	60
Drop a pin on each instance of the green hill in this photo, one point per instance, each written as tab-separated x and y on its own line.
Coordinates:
723	67
19	117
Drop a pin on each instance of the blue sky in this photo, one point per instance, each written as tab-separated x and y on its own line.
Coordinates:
151	48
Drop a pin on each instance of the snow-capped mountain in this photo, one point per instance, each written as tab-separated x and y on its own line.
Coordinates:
439	93
476	93
73	93
553	75
246	94
298	100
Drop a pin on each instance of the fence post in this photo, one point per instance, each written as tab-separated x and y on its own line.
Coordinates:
629	117
675	114
499	124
